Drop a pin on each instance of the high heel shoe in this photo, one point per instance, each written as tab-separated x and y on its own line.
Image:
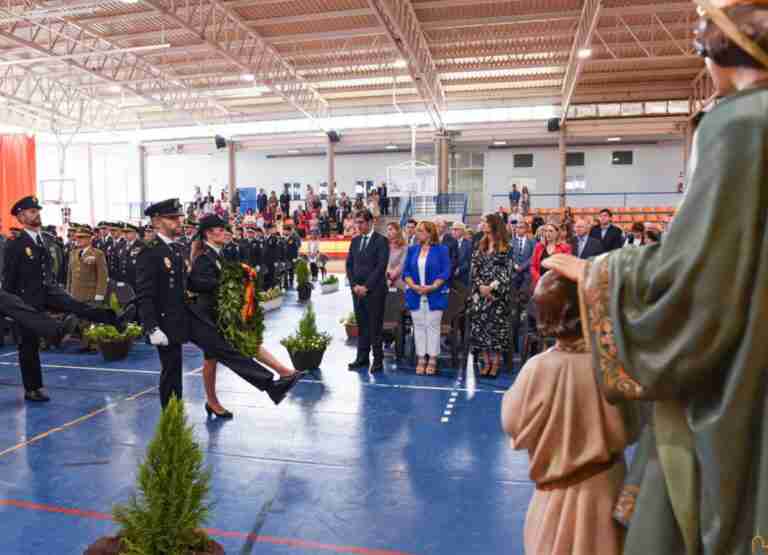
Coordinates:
226	414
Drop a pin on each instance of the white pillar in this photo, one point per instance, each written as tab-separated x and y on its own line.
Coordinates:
231	151
142	150
331	155
563	166
91	203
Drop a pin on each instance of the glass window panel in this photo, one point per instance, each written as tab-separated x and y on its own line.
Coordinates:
632	109
523	160
574	159
622	158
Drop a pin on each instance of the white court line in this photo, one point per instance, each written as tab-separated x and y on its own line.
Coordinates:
9	354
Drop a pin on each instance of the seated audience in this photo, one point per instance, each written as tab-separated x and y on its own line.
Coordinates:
426	272
575	439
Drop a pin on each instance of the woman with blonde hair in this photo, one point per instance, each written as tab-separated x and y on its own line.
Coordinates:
550	245
426	272
397	251
490	303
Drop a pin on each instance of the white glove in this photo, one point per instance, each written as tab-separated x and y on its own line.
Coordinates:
158	338
98	298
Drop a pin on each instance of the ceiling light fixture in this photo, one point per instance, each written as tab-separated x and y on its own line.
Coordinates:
499	143
614	139
400	63
294	151
248	77
391	146
585	53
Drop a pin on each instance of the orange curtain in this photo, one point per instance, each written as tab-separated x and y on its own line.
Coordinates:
17	174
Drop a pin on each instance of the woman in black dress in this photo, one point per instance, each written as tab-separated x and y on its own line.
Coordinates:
491	302
204	280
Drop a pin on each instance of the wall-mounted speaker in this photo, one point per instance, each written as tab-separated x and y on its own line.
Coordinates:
553	124
334	137
220	141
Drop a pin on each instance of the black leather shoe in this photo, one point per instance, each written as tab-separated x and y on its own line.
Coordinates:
377	366
357	364
67	327
36	396
127	316
281	387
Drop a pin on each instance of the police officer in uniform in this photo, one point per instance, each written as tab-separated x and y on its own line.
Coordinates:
292	246
161	276
28	274
128	256
271	255
114	251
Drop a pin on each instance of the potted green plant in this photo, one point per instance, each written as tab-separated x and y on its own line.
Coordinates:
329	285
112	344
271	299
307	346
167	515
303	285
350	325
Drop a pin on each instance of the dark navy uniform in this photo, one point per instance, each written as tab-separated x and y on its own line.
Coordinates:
292	244
161	279
271	256
28	274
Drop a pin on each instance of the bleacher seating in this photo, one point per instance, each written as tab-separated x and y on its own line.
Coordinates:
623	216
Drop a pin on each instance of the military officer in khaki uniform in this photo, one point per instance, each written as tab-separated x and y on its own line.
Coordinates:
87	274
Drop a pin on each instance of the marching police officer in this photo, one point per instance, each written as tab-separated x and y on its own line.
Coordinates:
161	276
28	274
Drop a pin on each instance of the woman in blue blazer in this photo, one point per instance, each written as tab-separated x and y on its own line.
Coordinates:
426	273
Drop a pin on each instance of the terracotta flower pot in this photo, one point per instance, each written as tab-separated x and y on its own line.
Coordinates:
112	545
352	330
115	350
304	361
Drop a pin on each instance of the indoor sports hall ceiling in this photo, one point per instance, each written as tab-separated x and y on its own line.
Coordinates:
137	64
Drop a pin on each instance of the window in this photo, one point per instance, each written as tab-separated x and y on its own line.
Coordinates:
574	159
523	160
623	158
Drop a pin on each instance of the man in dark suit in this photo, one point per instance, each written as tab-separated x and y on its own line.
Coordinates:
583	245
410	232
28	274
285	202
449	241
366	271
521	254
464	245
608	234
262	200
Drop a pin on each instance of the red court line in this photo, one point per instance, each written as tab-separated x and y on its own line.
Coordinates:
291	542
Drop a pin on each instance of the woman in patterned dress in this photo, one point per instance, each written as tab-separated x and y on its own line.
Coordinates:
491	302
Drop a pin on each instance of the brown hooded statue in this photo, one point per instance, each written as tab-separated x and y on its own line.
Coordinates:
679	327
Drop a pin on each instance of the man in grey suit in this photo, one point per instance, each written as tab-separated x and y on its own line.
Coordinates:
464	246
521	253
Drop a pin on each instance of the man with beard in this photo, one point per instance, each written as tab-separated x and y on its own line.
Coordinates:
28	274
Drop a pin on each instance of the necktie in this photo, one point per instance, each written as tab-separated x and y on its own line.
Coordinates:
39	242
363	244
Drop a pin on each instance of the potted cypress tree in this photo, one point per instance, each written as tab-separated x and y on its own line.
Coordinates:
304	286
168	514
307	346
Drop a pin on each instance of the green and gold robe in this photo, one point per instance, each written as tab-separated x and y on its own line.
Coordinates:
684	324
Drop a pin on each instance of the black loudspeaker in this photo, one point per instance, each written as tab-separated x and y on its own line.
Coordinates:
553	124
220	141
334	137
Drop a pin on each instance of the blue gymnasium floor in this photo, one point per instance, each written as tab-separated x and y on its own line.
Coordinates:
349	463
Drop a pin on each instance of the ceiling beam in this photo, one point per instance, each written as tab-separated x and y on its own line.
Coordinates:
580	51
220	27
404	30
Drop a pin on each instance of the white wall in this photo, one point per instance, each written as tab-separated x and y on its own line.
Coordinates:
177	175
656	168
254	169
115	171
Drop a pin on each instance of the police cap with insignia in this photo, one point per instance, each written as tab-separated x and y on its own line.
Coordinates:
169	208
209	222
127	228
25	204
